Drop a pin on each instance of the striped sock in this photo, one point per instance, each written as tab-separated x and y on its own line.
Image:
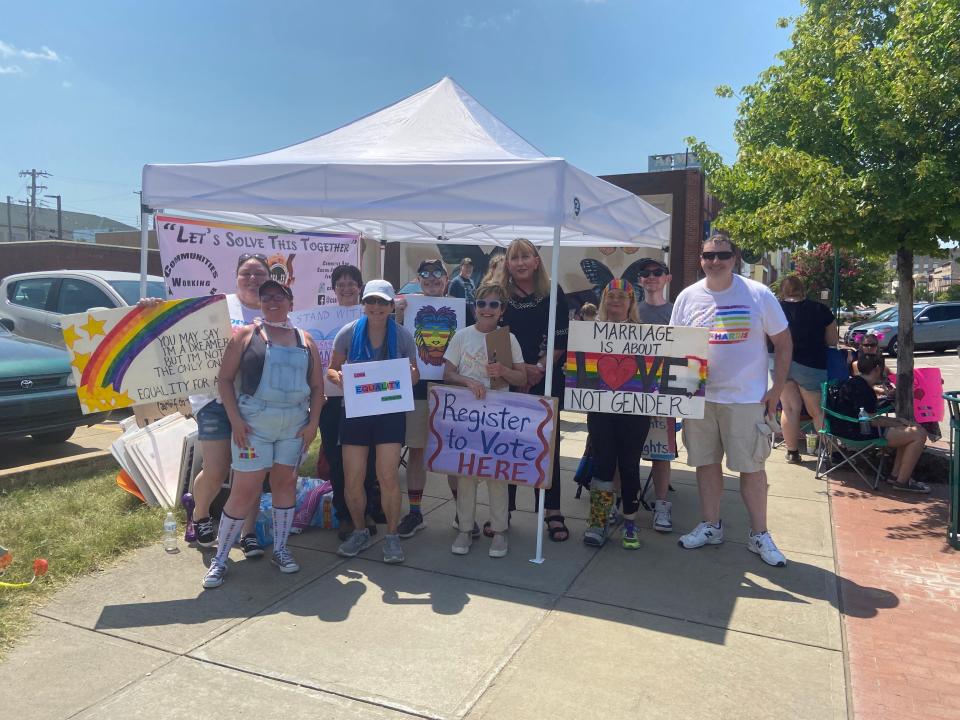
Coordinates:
416	497
227	535
282	522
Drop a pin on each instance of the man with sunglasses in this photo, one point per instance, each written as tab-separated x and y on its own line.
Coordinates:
740	315
655	310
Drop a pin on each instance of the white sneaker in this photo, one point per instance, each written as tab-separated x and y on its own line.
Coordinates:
662	520
461	546
702	534
762	544
498	546
214	576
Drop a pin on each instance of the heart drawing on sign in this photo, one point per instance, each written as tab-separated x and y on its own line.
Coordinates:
615	370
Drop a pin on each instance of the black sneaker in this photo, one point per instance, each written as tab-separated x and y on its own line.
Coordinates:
251	547
206	532
793	457
410	524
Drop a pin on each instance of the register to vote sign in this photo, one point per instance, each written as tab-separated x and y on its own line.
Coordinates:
506	436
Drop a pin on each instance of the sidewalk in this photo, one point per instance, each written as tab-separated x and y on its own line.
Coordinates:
588	634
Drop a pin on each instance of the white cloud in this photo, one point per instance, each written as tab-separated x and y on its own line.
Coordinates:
495	22
45	53
10	70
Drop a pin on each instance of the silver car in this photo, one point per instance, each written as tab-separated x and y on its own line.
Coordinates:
32	304
936	327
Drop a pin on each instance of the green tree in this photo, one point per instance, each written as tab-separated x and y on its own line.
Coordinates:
852	139
862	279
951	293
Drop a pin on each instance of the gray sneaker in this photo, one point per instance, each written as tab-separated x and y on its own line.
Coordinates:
355	542
410	524
594	536
392	552
214	576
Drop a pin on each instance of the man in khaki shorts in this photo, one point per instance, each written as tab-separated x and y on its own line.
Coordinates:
741	314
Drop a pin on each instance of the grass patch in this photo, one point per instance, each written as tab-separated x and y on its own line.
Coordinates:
80	525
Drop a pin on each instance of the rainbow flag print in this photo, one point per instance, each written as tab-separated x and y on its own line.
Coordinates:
731	325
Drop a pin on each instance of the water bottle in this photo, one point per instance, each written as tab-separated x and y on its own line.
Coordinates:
864	422
170	533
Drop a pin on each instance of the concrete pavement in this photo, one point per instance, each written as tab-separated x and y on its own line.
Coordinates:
660	631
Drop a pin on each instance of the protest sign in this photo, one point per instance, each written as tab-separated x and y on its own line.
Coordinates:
199	257
377	388
323	323
635	369
152	412
506	436
433	321
661	442
135	355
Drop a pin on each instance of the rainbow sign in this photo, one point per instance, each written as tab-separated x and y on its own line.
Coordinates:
158	352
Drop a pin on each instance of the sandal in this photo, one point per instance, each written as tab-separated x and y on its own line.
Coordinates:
557	529
488	528
911	486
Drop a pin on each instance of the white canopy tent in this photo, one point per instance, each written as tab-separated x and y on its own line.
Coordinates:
437	166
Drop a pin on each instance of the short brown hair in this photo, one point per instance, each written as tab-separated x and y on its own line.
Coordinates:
720	237
489	288
790	286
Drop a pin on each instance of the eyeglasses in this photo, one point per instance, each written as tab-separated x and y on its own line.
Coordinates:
721	255
373	300
432	274
657	272
273	297
492	304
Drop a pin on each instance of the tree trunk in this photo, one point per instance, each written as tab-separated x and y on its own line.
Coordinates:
905	333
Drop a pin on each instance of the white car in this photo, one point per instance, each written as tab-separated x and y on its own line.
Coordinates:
32	304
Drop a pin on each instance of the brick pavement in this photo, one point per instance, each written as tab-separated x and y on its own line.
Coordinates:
892	554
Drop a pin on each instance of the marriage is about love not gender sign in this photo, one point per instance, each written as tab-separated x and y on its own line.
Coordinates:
135	355
200	257
636	369
506	436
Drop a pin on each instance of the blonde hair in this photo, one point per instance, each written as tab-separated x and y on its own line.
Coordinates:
494	269
633	315
541	278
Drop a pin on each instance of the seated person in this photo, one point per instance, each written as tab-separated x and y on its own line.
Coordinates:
906	437
870	345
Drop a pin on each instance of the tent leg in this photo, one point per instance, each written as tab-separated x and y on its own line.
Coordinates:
548	378
144	239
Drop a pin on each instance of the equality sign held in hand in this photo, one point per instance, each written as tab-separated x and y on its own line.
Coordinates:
635	369
506	436
377	388
135	355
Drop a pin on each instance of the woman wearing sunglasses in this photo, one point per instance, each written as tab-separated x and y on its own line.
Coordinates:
375	336
870	345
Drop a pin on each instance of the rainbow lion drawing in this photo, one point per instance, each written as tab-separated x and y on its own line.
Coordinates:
434	327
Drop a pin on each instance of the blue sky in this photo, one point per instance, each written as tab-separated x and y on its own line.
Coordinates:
92	91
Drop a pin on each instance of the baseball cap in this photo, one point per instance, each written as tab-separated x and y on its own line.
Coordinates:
434	264
378	288
643	262
274	285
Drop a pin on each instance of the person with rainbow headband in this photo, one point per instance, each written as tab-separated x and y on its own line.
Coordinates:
617	440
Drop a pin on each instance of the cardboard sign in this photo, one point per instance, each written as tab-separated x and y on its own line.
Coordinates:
135	355
433	321
661	442
636	369
499	350
377	388
200	257
506	436
323	323
152	412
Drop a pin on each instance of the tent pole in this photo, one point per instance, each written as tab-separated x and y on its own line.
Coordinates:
144	239
383	249
548	376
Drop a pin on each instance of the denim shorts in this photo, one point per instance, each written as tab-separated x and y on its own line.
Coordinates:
213	423
272	439
807	377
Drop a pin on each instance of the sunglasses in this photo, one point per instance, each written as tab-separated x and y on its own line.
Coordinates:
658	272
375	301
251	256
492	304
432	274
868	344
721	255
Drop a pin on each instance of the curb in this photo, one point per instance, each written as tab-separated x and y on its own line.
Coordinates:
50	471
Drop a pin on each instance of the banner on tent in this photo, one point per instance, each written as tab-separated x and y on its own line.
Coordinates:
135	355
635	369
433	321
506	436
323	323
200	257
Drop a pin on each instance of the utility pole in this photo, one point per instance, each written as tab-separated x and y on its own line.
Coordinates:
139	194
26	204
9	220
31	216
59	217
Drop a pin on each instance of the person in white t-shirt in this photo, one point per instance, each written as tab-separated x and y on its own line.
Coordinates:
740	314
466	363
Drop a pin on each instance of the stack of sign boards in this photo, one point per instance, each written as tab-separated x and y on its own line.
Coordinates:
162	458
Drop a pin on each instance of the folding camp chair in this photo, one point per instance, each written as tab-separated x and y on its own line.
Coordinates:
849	450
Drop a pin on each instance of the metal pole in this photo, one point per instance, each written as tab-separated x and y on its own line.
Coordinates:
548	376
59	216
9	221
144	239
836	281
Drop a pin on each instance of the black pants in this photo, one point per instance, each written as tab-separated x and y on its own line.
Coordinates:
330	440
617	442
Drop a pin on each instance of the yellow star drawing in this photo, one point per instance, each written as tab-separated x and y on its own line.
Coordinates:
80	361
93	327
70	335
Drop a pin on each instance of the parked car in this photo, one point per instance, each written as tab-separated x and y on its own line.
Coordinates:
38	396
853	333
936	327
32	304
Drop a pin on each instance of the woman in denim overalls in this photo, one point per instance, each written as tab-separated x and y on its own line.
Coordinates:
280	387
